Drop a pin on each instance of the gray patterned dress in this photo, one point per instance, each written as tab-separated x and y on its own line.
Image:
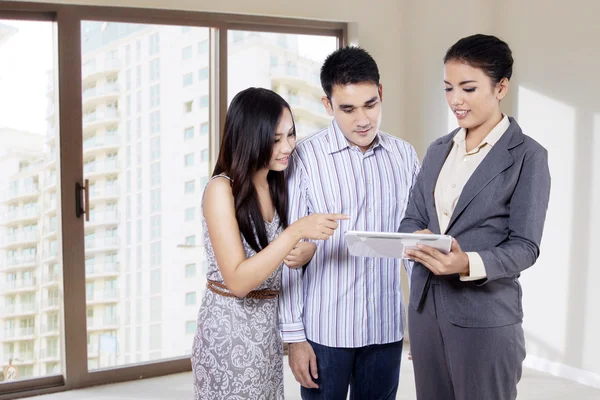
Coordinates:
238	352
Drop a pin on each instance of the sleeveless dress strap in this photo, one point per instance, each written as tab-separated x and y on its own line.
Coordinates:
222	176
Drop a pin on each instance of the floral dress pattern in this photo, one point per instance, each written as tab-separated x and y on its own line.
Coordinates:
238	352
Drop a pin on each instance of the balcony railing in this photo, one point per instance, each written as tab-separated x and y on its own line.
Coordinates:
106	90
50	205
106	217
17	309
92	347
50	254
106	166
99	269
22	357
18	284
50	158
49	277
26	190
101	243
105	322
111	267
51	181
99	117
97	66
17	333
50	328
51	230
51	302
21	213
110	320
296	71
101	141
106	191
22	237
50	352
102	295
22	261
314	106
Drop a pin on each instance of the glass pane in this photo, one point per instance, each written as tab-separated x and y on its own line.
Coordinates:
289	64
145	100
30	260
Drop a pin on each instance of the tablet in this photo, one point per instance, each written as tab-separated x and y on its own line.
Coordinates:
392	244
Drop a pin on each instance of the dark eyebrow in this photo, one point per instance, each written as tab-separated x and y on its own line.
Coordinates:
371	100
281	134
368	102
462	83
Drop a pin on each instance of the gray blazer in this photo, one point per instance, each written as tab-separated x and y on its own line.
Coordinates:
500	214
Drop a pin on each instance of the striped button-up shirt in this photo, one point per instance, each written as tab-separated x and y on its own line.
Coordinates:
340	300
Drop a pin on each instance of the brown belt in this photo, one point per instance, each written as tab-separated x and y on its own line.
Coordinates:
262	294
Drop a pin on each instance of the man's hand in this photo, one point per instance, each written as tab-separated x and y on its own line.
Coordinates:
303	363
300	255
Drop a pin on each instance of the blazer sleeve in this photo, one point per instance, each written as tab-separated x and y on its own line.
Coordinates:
415	217
528	207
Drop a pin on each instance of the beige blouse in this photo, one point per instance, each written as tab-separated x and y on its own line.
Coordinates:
455	173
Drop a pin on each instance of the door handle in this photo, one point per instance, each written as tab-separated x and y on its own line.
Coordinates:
82	203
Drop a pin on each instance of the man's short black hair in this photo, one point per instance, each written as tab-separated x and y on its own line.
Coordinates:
346	66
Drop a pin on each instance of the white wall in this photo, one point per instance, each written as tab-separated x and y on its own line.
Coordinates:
556	101
555	98
430	27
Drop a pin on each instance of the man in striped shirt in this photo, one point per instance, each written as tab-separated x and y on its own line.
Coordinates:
344	316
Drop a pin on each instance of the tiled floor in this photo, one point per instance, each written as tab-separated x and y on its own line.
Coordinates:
533	386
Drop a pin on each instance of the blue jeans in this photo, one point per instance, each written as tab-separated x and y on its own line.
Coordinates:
372	372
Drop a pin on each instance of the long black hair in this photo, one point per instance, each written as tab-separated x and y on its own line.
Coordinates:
247	147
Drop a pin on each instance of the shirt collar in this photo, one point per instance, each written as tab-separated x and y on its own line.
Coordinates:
491	139
338	142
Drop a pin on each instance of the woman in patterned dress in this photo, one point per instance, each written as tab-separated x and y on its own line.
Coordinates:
238	352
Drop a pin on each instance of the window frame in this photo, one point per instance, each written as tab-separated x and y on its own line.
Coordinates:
67	19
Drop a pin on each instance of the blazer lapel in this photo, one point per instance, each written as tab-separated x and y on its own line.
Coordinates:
437	157
497	160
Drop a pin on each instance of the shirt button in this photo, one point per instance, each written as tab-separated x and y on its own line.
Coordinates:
454	185
465	159
369	209
446	213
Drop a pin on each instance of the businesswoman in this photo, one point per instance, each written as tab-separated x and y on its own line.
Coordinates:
237	351
486	184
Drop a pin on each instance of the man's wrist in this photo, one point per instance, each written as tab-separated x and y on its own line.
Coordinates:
292	332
